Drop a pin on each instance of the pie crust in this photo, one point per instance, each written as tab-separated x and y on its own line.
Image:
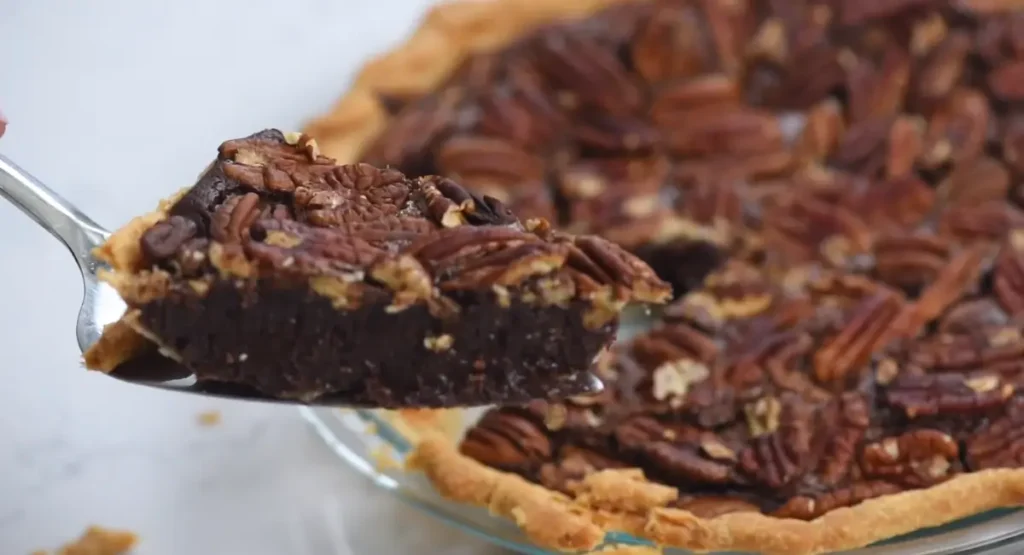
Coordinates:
610	500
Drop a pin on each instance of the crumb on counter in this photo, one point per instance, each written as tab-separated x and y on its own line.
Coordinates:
209	418
98	540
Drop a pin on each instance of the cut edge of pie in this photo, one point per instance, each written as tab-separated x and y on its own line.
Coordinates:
123	339
609	500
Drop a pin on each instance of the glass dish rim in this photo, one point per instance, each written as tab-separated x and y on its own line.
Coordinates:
353	440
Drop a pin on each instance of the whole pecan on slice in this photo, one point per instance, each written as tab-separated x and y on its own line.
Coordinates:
267	165
509	441
596	260
288	244
231	221
357	193
999	444
165	238
485	255
914	459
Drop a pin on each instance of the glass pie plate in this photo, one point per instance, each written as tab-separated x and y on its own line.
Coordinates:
370	442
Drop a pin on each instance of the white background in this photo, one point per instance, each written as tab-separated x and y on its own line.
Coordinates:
115	104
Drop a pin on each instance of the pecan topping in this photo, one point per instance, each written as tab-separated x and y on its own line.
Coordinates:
165	238
351	229
850	281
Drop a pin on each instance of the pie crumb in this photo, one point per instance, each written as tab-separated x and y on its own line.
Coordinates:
209	418
98	541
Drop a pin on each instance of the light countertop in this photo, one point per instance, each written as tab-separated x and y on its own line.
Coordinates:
116	104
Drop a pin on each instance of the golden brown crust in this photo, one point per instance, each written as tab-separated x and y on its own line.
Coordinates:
619	500
547	518
622	500
117	344
121	250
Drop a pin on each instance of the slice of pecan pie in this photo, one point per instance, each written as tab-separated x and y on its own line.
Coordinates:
288	274
833	186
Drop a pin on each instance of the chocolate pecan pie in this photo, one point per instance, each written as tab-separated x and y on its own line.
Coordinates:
288	274
833	187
